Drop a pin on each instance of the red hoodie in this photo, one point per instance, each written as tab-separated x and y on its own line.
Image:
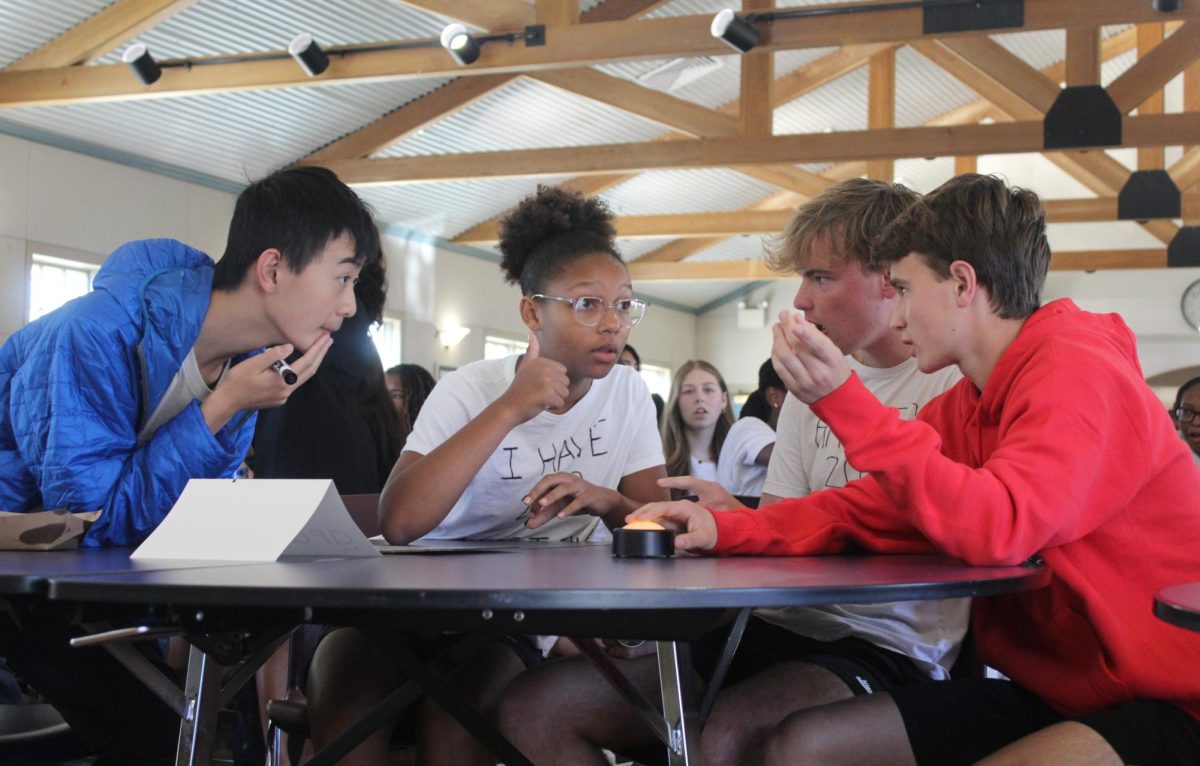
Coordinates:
1066	454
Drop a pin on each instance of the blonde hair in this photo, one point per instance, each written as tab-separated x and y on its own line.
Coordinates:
674	431
852	214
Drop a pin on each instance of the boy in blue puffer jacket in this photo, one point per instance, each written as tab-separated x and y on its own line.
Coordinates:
118	398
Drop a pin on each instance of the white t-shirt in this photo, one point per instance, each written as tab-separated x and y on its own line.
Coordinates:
807	458
702	469
736	470
610	433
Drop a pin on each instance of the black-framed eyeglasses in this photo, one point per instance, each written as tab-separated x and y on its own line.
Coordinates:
1186	415
590	310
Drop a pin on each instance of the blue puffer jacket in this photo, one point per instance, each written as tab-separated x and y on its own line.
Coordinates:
77	385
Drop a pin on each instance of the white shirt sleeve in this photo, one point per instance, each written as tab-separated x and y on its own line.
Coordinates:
646	450
446	411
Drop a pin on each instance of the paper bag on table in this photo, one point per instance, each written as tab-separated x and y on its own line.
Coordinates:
44	530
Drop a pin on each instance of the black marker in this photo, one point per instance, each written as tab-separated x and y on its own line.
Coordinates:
285	372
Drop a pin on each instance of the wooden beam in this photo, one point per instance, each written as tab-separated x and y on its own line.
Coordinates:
410	118
105	31
1185	171
881	107
757	76
446	100
1008	70
805	79
572	46
1083	56
645	102
557	13
1115	45
1191	88
1150	157
1156	68
1003	138
762	221
820	72
1084	260
495	15
1024	92
619	10
682	248
966	165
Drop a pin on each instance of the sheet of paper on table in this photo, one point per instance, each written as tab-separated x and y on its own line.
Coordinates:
256	520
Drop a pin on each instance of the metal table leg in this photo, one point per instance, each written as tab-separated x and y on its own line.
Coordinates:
679	703
202	699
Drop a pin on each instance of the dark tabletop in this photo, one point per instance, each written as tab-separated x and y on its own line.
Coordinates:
28	572
555	578
1179	605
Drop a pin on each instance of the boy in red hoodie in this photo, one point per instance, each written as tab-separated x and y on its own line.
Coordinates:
1051	447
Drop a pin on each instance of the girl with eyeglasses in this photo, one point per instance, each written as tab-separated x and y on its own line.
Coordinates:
559	443
1186	414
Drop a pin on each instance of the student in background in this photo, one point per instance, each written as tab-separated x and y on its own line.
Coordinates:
631	358
341	425
409	386
115	400
698	417
742	465
1186	414
556	444
1051	447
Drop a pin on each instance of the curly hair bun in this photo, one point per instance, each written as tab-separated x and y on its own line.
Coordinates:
549	229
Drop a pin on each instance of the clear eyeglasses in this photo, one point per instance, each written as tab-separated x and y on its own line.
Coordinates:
1186	415
590	310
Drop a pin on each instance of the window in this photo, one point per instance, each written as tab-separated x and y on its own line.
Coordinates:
54	281
658	379
386	337
495	347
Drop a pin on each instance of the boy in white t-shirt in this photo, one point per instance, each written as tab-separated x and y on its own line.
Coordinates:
819	655
556	444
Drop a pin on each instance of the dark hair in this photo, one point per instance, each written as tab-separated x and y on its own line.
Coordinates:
371	290
416	382
852	214
1182	393
297	211
548	230
637	358
999	230
756	405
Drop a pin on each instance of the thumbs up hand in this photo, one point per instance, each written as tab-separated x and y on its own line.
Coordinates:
540	384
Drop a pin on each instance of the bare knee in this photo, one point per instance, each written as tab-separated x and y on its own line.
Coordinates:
348	671
804	738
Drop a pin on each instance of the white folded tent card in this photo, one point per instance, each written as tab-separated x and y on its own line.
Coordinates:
256	520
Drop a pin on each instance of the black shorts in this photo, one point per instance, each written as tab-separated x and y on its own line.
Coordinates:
962	721
864	667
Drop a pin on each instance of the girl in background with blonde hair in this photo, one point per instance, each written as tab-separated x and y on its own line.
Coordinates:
697	418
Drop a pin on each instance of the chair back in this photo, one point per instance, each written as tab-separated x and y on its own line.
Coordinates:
364	509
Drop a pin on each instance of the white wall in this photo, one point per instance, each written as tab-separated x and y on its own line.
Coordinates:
432	288
58	198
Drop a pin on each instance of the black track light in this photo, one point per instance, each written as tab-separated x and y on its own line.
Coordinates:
308	54
462	46
734	31
1165	6
138	57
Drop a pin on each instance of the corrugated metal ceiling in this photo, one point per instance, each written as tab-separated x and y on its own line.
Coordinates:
235	136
